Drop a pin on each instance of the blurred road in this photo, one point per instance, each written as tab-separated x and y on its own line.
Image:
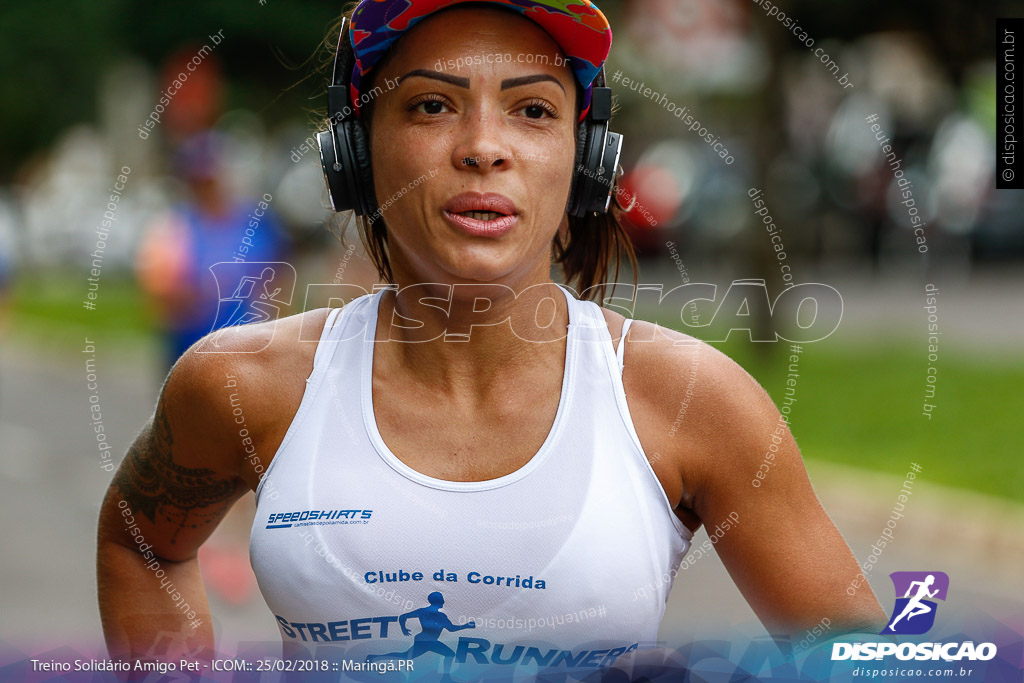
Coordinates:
51	483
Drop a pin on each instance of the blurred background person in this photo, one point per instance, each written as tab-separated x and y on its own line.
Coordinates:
208	226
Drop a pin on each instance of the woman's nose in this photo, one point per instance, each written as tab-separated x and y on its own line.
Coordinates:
482	147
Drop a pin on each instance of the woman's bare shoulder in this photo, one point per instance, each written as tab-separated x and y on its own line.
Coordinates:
253	375
665	364
690	401
258	351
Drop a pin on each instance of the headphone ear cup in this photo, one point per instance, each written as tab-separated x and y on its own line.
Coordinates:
581	142
327	143
579	179
595	174
362	172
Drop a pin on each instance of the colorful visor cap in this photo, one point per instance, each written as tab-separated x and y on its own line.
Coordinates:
578	26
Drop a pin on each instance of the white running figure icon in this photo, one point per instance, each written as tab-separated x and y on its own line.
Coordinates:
915	606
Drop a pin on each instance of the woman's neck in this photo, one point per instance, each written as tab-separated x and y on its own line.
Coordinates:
468	337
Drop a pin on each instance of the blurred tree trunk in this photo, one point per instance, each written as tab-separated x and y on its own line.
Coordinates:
769	143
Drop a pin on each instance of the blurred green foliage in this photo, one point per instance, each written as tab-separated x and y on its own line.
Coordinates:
45	304
861	405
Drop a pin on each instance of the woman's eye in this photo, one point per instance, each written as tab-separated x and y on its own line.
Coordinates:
537	111
430	107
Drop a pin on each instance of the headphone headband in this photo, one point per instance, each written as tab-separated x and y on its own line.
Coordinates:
338	107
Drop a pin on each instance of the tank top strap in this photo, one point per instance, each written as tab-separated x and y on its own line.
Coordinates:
592	332
351	322
334	327
620	351
323	348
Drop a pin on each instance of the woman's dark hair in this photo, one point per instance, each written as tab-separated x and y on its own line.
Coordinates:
585	248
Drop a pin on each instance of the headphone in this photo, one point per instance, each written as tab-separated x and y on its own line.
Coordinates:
345	151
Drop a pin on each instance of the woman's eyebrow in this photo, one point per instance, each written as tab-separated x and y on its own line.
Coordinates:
526	80
437	75
464	82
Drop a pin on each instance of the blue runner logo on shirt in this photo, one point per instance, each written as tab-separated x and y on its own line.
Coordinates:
914	614
433	623
286	520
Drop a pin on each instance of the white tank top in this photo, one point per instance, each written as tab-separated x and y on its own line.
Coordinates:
561	566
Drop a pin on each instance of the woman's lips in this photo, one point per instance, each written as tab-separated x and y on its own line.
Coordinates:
481	201
481	228
482	214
